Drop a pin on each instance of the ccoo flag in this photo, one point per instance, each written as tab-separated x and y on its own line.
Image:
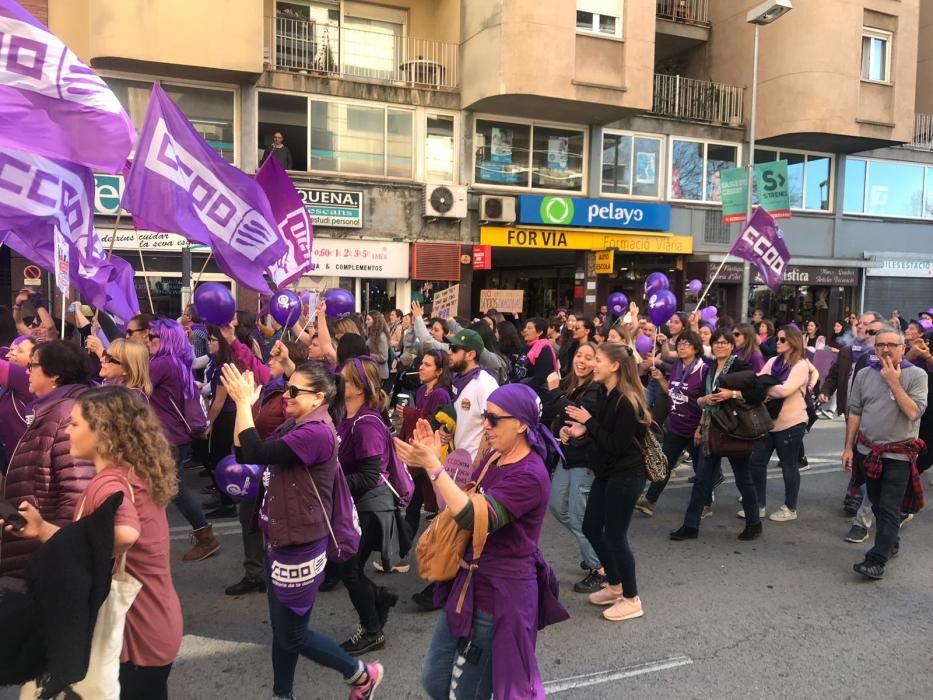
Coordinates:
53	104
762	243
293	220
178	184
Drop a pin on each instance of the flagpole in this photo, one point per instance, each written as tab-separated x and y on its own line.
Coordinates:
203	268
142	265
710	284
113	239
64	302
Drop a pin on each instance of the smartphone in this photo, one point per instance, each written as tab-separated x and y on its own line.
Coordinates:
12	516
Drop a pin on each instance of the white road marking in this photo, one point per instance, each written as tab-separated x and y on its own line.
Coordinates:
195	647
588	679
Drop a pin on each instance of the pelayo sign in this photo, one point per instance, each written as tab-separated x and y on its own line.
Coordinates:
595	213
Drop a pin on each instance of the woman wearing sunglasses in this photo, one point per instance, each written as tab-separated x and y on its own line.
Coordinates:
300	466
746	346
126	364
791	371
486	646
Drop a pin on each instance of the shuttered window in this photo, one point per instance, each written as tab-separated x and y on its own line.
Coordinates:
438	262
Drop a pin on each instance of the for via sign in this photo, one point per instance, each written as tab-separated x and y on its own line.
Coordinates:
594	213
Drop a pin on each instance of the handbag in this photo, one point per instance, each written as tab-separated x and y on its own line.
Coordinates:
656	465
736	427
102	681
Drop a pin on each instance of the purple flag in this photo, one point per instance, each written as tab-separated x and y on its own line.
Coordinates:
293	220
762	244
178	184
53	104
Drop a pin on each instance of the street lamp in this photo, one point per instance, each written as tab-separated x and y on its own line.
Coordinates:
760	15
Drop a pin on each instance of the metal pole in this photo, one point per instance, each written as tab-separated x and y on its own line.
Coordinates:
746	268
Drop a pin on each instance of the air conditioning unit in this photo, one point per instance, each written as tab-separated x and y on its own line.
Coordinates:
445	201
497	208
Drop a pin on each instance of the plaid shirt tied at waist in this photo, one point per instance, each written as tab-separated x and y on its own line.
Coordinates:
873	467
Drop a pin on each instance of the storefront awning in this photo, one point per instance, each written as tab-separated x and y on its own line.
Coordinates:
541	238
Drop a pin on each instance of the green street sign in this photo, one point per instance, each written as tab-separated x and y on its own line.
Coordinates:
733	185
772	186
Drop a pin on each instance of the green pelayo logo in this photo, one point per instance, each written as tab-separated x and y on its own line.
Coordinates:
557	210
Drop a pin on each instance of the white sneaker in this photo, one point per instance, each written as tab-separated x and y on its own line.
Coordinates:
707	513
761	513
783	515
403	567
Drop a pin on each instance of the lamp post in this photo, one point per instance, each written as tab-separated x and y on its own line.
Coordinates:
762	14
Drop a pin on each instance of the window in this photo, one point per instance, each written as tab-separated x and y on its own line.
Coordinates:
529	155
808	174
360	139
601	17
630	165
287	115
210	110
372	40
695	168
439	152
888	188
876	55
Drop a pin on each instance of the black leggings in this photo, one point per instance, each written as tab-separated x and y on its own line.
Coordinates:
605	524
353	573
144	682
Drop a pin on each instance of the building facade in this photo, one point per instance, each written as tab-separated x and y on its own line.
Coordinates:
503	144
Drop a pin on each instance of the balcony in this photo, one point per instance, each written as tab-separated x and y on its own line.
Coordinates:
684	11
676	97
300	46
923	132
680	26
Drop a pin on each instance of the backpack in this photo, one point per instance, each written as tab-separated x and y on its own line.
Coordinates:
192	414
399	482
343	523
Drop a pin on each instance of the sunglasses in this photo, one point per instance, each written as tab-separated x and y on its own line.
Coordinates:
293	391
737	335
457	348
107	359
872	331
782	339
131	331
493	418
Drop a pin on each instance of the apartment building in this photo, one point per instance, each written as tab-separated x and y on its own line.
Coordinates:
504	143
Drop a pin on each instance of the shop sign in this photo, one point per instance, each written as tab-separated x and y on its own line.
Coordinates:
32	276
445	302
147	241
793	275
108	191
482	257
502	300
902	268
605	262
333	208
332	257
595	213
576	239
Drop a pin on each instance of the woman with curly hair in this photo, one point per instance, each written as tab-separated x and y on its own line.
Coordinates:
114	428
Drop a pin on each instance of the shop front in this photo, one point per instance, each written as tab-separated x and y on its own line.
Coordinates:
902	284
823	293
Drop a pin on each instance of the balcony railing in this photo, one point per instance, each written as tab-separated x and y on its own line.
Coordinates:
685	11
923	132
697	100
301	46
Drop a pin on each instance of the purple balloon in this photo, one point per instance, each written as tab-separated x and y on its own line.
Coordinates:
238	480
617	304
655	282
339	302
285	307
644	344
661	306
214	303
695	286
708	313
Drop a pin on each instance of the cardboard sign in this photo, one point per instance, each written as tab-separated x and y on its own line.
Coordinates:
459	467
502	300
446	302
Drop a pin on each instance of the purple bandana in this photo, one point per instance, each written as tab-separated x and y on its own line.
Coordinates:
521	402
296	573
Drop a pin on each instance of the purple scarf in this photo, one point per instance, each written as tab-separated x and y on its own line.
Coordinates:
780	369
461	380
522	402
875	363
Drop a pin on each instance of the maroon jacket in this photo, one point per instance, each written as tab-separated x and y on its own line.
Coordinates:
43	472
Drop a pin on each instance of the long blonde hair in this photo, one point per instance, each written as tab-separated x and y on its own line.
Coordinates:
627	382
129	432
134	361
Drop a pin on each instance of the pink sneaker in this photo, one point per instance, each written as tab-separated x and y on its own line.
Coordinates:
624	609
604	596
368	689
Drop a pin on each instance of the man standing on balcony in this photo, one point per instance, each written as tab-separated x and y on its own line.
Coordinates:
279	151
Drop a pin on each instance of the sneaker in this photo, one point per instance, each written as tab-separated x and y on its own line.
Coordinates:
593	582
424	599
374	675
246	586
385	601
803	465
707	513
857	534
905	518
362	642
751	532
783	515
645	507
205	545
869	569
604	596
851	504
684	533
624	609
762	512
403	567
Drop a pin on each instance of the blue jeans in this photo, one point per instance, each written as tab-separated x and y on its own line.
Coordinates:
787	443
185	501
457	668
708	470
570	489
291	638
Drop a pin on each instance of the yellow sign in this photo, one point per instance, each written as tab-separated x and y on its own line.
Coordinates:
584	239
605	262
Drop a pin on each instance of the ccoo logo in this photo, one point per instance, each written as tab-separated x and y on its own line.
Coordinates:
557	210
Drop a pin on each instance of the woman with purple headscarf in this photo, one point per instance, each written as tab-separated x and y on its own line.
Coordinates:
488	648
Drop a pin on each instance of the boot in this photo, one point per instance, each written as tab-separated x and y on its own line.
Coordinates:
205	545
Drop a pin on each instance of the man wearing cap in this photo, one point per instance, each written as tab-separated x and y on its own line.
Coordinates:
472	385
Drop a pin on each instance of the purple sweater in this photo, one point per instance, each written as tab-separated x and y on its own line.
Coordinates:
168	387
14	385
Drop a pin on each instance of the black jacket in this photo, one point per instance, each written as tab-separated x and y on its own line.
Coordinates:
579	452
617	436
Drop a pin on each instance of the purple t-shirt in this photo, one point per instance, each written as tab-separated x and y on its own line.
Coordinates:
429	403
686	386
363	436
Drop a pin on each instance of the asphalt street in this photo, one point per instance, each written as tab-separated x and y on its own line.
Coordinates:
782	617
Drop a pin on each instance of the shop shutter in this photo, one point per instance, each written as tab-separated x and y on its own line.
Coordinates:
909	295
437	262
